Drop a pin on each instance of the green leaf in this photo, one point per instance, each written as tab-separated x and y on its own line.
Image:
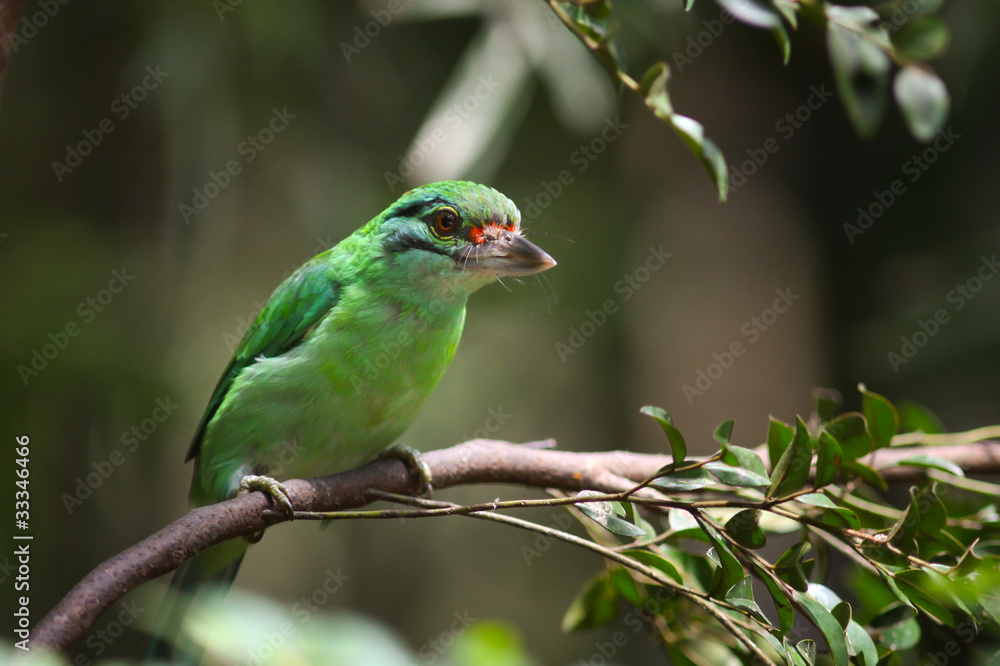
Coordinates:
724	432
595	605
741	596
859	642
790	569
883	421
923	99
826	402
786	615
704	149
834	515
922	37
828	457
603	514
744	529
745	458
625	585
792	469
896	628
779	436
784	43
690	479
851	432
659	563
653	88
752	12
914	417
861	70
867	474
677	444
828	625
732	570
922	600
933	462
736	476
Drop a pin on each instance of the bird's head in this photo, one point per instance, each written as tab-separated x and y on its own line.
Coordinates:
462	231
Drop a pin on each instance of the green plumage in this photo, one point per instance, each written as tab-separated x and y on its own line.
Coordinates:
350	346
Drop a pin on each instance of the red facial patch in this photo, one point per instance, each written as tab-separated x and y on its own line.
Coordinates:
489	231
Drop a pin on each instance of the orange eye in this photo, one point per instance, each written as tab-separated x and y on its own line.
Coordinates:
445	223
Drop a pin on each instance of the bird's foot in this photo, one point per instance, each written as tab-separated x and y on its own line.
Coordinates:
415	461
271	487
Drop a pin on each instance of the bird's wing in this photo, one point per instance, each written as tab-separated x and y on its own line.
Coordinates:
294	309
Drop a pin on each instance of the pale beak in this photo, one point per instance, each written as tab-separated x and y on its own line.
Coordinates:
508	254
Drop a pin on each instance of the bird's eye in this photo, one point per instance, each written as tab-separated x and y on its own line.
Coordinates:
445	223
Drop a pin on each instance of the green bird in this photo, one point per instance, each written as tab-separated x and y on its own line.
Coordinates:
344	354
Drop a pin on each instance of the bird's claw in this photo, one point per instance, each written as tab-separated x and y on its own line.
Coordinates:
417	464
271	487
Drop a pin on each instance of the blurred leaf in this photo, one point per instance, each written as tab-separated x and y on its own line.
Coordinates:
851	432
724	432
623	581
933	462
657	562
914	417
736	476
867	474
489	642
826	402
752	12
923	99
779	436
792	469
923	600
860	66
784	43
677	444
704	149
922	37
834	515
896	628
653	88
603	514
883	422
595	605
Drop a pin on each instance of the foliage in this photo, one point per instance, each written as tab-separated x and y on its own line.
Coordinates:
863	44
739	570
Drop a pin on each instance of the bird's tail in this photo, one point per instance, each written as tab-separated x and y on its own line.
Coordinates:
207	574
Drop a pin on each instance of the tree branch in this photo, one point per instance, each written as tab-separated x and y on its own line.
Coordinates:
476	461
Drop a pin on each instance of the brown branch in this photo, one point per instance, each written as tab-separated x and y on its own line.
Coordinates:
477	461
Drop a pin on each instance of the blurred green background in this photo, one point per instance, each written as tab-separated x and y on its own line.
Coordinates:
492	91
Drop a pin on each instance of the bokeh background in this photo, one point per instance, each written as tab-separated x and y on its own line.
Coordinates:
492	91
